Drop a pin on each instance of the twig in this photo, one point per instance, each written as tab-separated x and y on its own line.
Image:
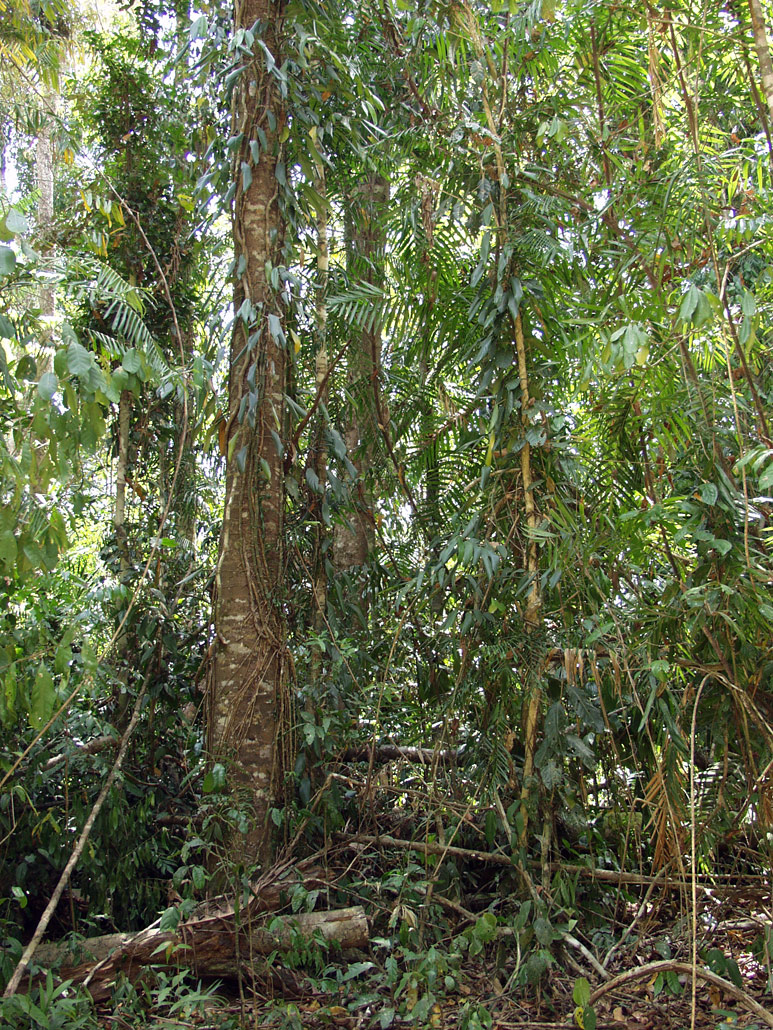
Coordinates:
587	954
653	968
453	906
629	929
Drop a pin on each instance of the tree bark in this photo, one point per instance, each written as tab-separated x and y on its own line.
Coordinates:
319	454
122	548
353	542
44	175
217	945
763	51
247	684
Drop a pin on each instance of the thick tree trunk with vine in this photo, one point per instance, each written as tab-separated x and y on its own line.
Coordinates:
247	696
365	245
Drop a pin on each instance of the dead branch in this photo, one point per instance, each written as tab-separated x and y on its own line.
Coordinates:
383	753
90	748
501	859
652	969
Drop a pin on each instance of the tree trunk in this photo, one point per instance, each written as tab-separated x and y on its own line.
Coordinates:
763	51
44	174
221	946
123	556
319	454
353	542
247	686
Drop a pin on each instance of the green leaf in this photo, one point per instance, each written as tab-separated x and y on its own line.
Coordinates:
543	931
386	1018
7	331
42	699
8	700
581	992
15	222
170	919
275	328
199	27
132	361
355	969
214	779
709	493
48	385
8	548
7	261
485	927
734	973
79	360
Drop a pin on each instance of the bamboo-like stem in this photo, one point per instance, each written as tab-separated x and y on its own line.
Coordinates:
533	602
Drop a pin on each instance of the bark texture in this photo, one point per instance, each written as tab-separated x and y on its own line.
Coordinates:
319	453
365	245
44	175
247	683
216	945
763	51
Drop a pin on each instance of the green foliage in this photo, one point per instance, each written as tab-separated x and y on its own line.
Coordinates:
544	170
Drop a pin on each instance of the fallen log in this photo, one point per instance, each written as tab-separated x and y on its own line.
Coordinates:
213	946
217	940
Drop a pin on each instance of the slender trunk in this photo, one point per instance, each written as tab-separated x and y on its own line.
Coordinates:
533	697
248	681
183	488
44	173
354	542
763	51
319	457
122	548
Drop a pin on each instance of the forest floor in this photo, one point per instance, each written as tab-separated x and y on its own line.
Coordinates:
482	997
436	963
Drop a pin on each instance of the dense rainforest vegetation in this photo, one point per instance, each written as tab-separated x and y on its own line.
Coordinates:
386	513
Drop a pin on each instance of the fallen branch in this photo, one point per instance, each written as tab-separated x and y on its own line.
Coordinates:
499	858
652	969
431	848
382	753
